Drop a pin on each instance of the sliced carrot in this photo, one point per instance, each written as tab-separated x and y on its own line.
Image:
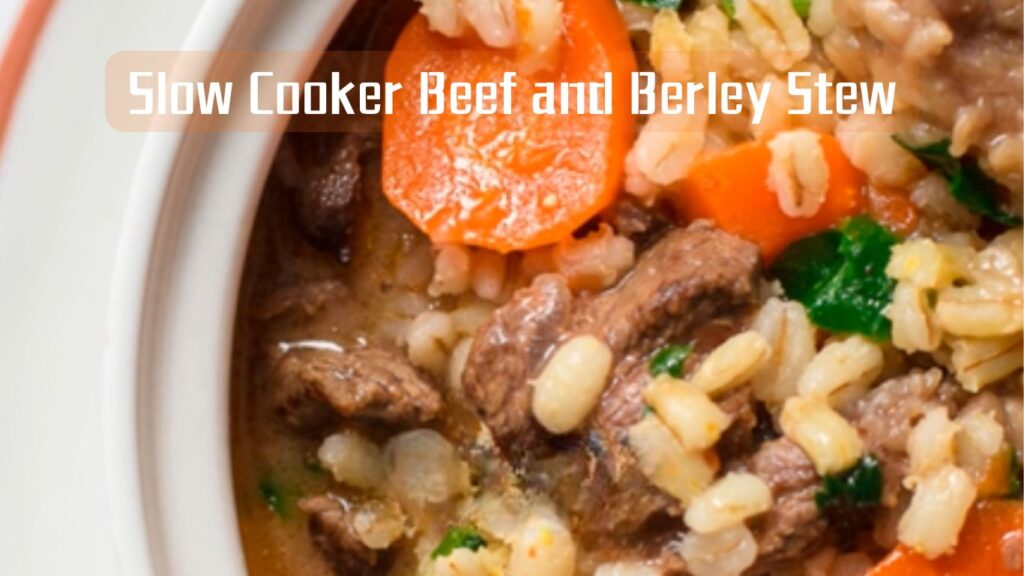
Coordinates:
731	189
980	550
515	181
996	480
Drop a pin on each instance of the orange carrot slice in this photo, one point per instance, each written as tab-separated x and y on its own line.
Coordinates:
731	189
980	550
515	181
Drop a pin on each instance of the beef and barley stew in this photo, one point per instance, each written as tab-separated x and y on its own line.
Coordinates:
620	344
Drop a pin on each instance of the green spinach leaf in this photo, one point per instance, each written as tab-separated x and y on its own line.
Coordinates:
859	487
659	4
729	8
458	537
670	360
839	276
803	8
968	183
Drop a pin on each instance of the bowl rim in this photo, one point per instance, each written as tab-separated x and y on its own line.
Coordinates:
173	209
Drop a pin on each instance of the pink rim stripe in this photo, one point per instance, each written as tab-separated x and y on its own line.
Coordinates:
17	55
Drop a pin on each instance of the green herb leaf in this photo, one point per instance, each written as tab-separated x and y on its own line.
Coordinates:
273	497
968	183
659	4
803	8
839	276
859	487
458	537
1016	488
728	7
670	360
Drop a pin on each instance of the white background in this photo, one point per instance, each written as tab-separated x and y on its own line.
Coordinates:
8	13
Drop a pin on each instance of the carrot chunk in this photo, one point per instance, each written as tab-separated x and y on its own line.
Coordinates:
990	525
508	181
731	189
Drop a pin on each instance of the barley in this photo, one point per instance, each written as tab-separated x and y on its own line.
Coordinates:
913	327
379	523
822	19
444	16
711	49
540	33
726	553
930	444
932	523
732	363
978	311
980	439
662	459
728	502
543	545
979	362
429	339
667	146
829	440
798	173
775	29
457	365
842	369
696	421
571	383
352	459
790	335
670	47
488	274
423	468
451	270
493	20
927	264
626	569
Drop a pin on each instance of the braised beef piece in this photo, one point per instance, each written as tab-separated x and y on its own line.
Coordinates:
793	526
327	175
886	414
689	278
331	528
316	386
511	348
643	225
301	300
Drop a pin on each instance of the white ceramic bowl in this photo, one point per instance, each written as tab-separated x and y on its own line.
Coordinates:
176	281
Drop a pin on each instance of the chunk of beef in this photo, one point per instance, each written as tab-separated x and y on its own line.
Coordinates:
302	300
327	175
689	278
885	416
510	349
331	529
640	224
793	526
315	386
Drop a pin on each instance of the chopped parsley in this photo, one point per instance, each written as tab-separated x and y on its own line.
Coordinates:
728	7
859	487
839	276
273	496
848	501
458	537
803	8
968	183
670	360
1015	475
658	4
